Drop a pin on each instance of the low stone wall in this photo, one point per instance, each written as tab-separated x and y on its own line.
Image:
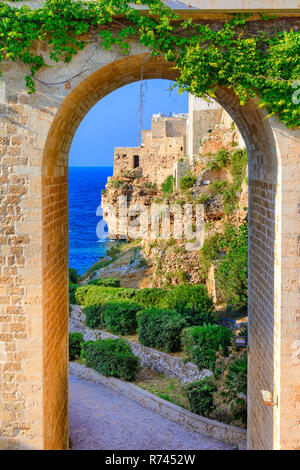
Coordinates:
230	434
166	364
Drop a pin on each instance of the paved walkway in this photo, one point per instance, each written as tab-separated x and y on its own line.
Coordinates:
100	418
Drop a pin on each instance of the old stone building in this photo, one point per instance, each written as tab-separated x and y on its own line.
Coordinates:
202	117
161	146
139	171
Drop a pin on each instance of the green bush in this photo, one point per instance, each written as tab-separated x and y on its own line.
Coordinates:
150	297
218	187
212	165
100	294
239	162
112	358
75	345
203	198
192	302
230	197
94	315
200	396
187	182
160	328
202	342
222	158
80	294
121	317
73	275
231	383
106	282
168	186
232	272
72	292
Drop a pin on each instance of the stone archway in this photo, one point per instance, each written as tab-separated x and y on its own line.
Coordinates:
36	134
55	239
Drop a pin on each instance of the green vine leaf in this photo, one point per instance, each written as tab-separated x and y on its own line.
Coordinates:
251	64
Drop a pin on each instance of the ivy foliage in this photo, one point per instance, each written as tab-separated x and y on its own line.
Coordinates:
251	64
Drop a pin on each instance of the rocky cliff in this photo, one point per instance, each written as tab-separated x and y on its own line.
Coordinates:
217	180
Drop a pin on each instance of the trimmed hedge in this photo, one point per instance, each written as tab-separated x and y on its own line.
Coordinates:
95	294
106	282
150	297
112	358
121	317
200	396
192	302
75	345
94	315
202	342
160	328
80	294
99	294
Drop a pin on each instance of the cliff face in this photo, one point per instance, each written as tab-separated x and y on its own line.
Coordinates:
122	201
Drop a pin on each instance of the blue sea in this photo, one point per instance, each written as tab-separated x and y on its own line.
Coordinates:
85	186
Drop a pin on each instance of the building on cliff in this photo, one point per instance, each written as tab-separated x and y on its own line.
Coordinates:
161	147
176	145
203	116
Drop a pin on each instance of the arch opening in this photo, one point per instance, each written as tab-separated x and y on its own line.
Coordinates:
263	174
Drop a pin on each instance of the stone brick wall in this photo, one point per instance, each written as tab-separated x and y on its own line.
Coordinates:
202	117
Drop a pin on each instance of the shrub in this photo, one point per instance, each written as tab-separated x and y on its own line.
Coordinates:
192	302
222	158
72	292
231	383
209	252
75	345
121	317
212	165
239	162
73	275
80	294
150	297
100	294
160	328
203	198
112	358
106	282
202	342
232	272
230	198
94	315
218	187
187	182
168	186
200	396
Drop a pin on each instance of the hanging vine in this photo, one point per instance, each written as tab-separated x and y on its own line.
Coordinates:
207	56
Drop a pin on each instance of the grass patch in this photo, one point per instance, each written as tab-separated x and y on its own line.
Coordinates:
167	388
